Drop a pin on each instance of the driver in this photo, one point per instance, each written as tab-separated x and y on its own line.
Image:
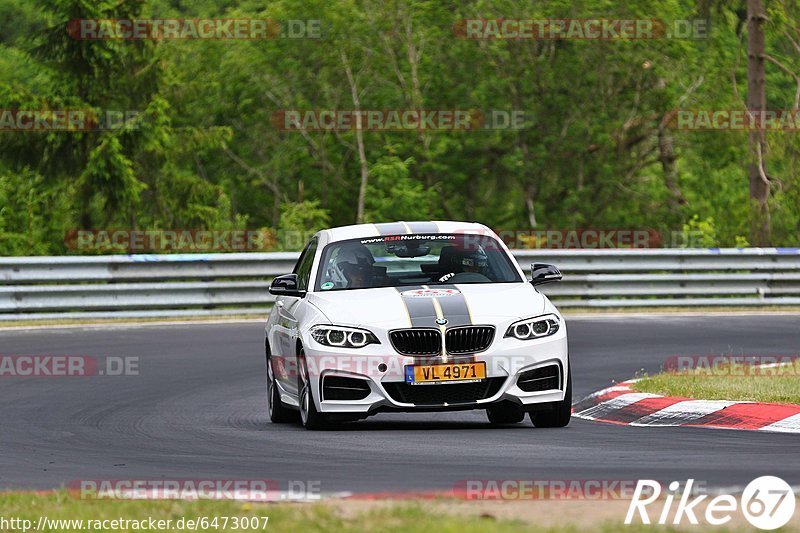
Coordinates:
471	266
354	265
357	276
475	261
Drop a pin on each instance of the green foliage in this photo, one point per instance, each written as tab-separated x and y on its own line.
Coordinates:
392	193
299	221
204	151
32	216
110	174
701	233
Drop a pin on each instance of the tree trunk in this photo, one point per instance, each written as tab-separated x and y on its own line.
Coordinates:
362	156
760	227
667	157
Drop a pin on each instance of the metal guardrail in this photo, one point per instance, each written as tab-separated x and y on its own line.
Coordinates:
219	284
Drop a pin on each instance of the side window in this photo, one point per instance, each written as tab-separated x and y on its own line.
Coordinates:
303	267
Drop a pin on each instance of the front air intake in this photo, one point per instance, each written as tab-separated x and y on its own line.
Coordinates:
442	394
540	379
344	388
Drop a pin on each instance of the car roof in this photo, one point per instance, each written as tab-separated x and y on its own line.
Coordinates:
358	231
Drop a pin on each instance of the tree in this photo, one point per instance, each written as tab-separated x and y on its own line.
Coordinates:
760	229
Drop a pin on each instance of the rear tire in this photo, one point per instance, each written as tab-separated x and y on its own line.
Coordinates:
505	414
278	413
560	414
310	418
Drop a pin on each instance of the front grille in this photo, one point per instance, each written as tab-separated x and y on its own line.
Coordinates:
540	379
440	394
417	341
342	388
468	339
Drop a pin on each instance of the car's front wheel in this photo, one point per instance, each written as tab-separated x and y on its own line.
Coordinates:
505	414
278	413
309	416
561	412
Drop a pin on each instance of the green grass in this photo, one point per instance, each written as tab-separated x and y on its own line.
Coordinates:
282	517
779	384
347	516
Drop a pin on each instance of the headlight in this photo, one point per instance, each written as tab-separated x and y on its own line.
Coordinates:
343	337
534	328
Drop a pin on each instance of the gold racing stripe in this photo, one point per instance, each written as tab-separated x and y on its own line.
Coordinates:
466	304
405	306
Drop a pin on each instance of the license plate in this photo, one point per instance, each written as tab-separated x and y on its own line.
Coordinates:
443	373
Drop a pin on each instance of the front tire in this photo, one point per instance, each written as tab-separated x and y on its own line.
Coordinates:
560	414
278	413
310	418
505	414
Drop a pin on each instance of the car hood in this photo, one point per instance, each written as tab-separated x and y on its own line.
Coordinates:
460	304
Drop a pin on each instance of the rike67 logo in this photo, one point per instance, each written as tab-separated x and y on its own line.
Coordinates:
768	502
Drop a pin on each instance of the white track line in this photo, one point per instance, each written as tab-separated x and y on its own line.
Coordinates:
787	425
616	403
682	412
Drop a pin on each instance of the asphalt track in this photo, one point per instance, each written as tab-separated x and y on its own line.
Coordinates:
197	411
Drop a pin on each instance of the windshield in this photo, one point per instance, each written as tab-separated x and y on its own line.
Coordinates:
416	259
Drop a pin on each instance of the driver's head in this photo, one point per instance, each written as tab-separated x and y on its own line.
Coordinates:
357	276
354	263
474	261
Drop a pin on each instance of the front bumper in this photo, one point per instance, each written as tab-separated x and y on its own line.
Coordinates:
380	378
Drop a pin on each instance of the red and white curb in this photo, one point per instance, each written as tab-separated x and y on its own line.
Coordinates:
620	404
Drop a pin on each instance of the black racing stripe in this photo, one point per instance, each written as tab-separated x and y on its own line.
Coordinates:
423	227
454	308
420	310
391	228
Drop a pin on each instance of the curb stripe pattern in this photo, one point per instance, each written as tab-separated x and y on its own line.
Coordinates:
620	404
681	413
787	425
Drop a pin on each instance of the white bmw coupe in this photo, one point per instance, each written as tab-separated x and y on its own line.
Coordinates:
415	316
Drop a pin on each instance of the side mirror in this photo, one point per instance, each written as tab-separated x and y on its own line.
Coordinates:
544	273
286	285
